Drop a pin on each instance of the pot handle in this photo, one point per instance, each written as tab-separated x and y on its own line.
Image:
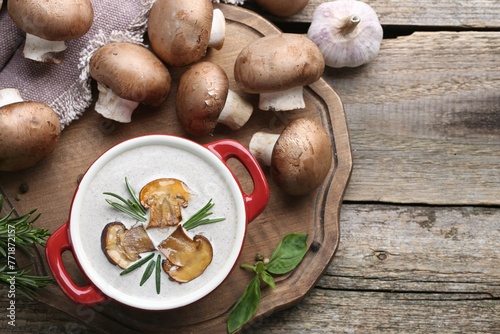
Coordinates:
256	201
56	245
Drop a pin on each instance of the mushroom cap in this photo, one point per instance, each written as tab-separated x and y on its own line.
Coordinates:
283	7
132	72
53	20
302	157
29	132
278	62
201	96
179	30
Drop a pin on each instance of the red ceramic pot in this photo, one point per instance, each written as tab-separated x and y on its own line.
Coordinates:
205	170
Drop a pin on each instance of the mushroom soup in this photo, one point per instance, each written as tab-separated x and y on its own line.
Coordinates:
201	171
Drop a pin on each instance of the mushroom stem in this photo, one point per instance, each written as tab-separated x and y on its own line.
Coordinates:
218	32
262	145
39	49
111	106
289	99
9	96
236	111
350	23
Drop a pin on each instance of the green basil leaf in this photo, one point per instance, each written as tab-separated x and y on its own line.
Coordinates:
245	307
288	254
268	279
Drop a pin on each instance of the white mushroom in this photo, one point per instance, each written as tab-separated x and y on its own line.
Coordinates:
48	24
128	74
180	31
278	67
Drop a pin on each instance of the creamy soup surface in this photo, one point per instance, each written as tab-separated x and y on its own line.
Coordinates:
142	165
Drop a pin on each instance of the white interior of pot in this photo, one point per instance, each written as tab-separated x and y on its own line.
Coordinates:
142	160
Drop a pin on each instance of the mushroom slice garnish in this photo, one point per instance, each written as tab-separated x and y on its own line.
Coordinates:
122	246
186	258
164	197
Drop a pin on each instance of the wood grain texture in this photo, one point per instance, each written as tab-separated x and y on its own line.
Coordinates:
425	13
424	127
398	269
424	120
53	182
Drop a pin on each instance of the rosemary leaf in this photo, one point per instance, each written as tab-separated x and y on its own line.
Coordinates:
200	217
132	207
147	273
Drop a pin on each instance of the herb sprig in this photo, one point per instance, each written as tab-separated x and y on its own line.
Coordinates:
201	217
198	219
132	207
285	257
19	233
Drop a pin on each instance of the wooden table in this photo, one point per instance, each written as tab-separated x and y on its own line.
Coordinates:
420	222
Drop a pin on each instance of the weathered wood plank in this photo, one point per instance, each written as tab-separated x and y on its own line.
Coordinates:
398	268
448	13
417	248
330	311
424	120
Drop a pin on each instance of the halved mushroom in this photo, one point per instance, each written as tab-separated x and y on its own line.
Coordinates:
122	246
300	157
164	197
186	258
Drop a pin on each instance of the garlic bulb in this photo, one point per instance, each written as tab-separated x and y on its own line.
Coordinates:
347	32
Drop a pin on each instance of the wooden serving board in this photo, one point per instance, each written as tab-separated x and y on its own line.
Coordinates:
53	181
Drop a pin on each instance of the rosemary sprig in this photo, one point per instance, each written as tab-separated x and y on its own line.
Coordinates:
26	284
25	235
201	217
132	207
137	264
19	233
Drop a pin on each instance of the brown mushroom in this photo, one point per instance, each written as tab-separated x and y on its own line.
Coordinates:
300	157
185	258
48	24
277	67
204	99
128	74
164	197
29	131
123	246
283	7
180	31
